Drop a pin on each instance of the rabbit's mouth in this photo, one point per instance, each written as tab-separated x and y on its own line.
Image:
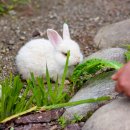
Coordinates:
75	65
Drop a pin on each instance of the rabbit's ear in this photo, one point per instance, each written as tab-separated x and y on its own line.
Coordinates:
54	37
66	34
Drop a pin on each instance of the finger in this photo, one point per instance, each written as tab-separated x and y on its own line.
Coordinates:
118	88
127	90
116	75
127	93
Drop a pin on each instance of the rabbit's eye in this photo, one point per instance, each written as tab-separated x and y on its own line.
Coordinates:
65	54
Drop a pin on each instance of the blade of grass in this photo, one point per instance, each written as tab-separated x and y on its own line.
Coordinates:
49	86
32	84
68	104
61	88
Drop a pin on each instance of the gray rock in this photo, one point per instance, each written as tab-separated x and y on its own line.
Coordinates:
113	116
100	86
114	35
115	54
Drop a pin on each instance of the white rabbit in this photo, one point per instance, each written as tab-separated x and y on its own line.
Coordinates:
36	54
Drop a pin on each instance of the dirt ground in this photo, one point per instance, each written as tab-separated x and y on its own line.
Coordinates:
85	17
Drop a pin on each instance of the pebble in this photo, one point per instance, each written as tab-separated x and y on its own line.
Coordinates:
22	38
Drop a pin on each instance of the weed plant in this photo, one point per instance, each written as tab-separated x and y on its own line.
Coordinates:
91	68
6	5
127	54
62	121
12	101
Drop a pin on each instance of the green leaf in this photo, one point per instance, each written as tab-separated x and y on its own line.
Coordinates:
90	68
11	102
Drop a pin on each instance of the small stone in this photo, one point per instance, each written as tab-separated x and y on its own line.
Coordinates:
12	12
53	127
73	127
3	51
45	117
52	15
22	38
96	19
81	124
11	42
36	33
1	45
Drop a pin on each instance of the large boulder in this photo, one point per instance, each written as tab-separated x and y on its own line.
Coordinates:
115	54
113	116
97	87
114	35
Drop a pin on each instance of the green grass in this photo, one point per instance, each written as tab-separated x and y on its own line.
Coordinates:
7	5
12	101
38	96
56	106
127	54
49	94
91	68
77	118
62	121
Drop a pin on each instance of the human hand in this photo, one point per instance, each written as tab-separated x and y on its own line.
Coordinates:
123	80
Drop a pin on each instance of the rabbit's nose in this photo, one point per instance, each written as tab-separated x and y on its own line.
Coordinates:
78	58
77	62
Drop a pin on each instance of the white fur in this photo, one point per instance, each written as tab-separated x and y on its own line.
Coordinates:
36	54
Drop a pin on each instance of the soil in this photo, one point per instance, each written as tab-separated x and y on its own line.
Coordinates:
85	18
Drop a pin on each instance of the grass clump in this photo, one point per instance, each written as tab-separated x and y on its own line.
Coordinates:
7	5
63	122
90	68
12	101
48	94
127	54
77	118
